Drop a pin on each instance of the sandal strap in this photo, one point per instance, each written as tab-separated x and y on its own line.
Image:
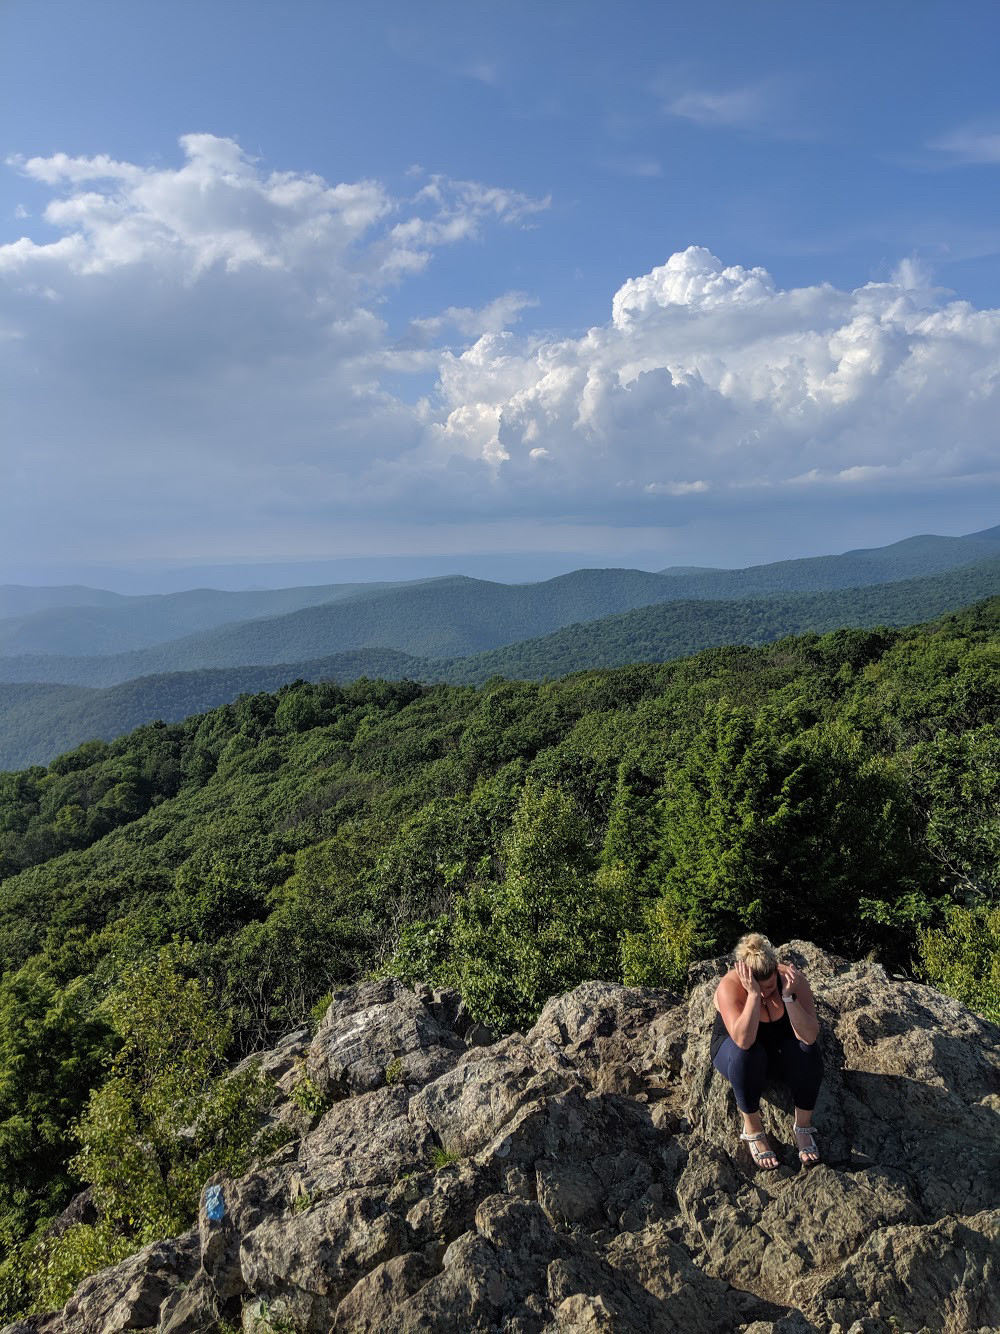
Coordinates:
805	1130
761	1134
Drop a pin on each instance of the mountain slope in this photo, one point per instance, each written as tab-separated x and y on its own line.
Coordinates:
136	622
23	599
457	617
908	559
440	618
676	629
449	616
301	839
38	721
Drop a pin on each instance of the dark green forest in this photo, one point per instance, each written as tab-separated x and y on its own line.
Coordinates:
510	839
39	720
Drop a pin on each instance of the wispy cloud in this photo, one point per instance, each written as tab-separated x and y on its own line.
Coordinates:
648	168
474	321
970	145
736	106
765	106
480	71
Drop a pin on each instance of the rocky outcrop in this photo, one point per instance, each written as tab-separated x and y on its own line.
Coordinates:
587	1176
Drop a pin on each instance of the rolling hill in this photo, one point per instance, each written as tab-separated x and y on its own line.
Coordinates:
457	617
137	622
677	629
444	616
39	721
448	617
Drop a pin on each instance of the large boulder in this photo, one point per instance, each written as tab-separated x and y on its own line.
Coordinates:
588	1176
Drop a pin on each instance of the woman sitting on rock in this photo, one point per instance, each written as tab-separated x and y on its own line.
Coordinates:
766	1026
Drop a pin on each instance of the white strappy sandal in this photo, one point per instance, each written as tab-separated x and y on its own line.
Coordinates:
757	1153
809	1147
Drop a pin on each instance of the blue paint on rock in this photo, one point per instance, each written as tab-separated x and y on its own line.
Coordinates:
215	1205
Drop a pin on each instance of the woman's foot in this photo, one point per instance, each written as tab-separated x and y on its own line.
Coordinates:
805	1138
761	1152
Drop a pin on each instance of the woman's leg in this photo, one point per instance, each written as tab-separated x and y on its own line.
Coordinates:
746	1070
802	1070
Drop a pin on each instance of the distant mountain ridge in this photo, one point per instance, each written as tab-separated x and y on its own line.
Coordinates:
448	617
459	615
23	599
677	629
39	721
136	622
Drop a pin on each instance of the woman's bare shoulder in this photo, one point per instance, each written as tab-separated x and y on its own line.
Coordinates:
728	986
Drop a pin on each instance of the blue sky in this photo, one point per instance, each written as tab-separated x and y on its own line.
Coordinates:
310	282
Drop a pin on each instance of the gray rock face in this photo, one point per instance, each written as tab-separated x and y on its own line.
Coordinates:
587	1176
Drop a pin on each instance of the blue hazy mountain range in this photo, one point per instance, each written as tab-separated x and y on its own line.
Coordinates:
39	720
446	616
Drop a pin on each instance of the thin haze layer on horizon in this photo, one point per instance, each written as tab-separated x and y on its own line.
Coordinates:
506	293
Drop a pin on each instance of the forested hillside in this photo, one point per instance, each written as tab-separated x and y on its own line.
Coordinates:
23	599
908	559
78	621
675	629
458	617
511	840
39	721
437	618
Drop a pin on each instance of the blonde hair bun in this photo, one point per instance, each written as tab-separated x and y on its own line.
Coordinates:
758	953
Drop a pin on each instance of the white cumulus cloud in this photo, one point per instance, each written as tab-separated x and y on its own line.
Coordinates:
203	358
708	378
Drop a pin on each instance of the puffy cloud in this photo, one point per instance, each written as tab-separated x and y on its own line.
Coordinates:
709	380
202	346
203	357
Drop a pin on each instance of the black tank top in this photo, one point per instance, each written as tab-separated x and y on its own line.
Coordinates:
770	1033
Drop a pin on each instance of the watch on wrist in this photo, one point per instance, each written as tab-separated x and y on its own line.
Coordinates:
787	1000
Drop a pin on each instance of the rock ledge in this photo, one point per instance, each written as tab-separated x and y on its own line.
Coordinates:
587	1176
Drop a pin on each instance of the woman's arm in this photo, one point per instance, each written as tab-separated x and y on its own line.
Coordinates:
740	1013
801	1010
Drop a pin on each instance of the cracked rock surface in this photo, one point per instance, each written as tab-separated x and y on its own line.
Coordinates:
587	1176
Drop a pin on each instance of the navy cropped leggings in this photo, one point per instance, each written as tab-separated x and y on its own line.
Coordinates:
789	1061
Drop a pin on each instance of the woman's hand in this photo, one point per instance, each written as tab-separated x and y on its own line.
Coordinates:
793	978
747	980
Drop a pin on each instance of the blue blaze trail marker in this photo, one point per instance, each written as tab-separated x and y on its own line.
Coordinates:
215	1205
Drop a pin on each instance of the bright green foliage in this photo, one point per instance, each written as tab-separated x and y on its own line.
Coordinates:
956	783
963	957
775	826
659	953
423	952
165	1120
156	1130
441	1157
547	926
52	1047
